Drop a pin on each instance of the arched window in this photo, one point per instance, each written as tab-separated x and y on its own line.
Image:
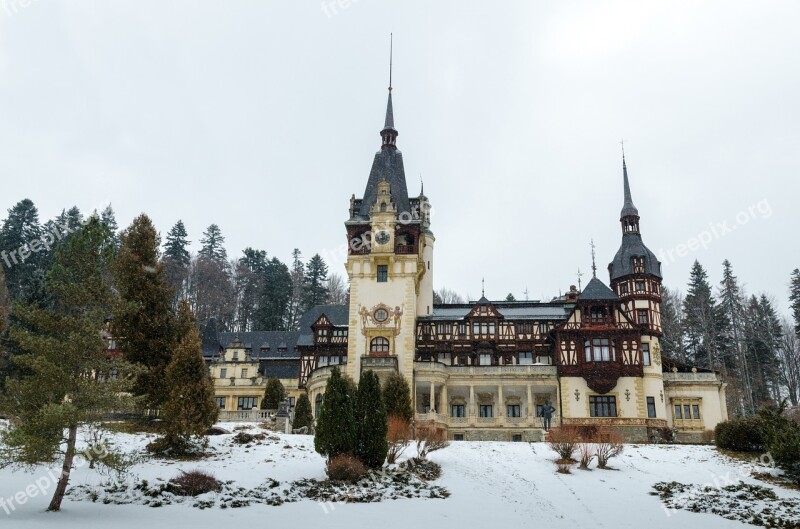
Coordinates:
379	345
318	405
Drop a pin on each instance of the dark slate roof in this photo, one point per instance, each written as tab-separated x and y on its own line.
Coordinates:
338	314
512	310
387	165
255	340
596	289
632	246
273	369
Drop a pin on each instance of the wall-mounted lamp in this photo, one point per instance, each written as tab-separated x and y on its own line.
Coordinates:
577	394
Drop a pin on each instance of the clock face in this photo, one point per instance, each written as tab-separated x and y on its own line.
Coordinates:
382	237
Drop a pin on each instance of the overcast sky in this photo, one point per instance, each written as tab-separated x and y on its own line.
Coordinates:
263	117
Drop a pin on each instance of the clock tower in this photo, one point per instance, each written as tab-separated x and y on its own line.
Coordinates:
389	264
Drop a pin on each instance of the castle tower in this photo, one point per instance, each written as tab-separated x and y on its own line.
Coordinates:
635	275
389	264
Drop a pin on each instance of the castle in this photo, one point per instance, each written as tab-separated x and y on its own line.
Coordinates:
485	370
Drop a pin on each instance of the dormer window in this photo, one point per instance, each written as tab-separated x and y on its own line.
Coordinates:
383	207
597	314
235	356
638	265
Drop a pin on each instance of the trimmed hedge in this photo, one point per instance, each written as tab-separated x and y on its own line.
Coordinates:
742	435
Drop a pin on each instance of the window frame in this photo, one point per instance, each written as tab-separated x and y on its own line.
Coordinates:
603	406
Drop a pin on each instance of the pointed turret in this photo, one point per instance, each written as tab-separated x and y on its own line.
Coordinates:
389	133
633	257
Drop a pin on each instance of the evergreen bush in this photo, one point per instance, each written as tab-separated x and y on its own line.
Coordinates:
744	434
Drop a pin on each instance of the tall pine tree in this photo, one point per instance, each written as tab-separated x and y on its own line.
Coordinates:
143	321
213	245
336	428
703	322
315	288
371	422
273	304
794	298
176	260
190	409
732	310
249	280
65	381
19	236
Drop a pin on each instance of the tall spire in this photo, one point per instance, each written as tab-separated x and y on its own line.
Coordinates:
389	133
628	209
594	265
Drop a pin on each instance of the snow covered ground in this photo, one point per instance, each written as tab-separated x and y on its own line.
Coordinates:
491	484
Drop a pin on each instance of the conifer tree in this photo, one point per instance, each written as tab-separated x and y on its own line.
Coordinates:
190	409
213	245
143	321
315	289
295	305
274	393
371	422
273	304
794	298
336	434
18	235
110	220
5	302
732	310
250	277
672	325
702	322
397	397
177	260
302	413
65	381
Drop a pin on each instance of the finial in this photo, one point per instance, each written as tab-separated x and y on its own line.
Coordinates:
594	266
483	287
390	61
421	185
526	293
580	275
622	142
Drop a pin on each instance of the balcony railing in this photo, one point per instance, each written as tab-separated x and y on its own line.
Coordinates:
378	362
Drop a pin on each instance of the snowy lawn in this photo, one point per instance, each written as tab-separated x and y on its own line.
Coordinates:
490	484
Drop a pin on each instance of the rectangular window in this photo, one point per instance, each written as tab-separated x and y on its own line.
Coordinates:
291	403
599	350
543	360
334	361
602	406
517	438
223	373
543	328
642	316
640	286
525	359
462	329
678	414
687	413
646	354
486	359
651	407
383	273
247	403
323	361
221	402
244	373
623	288
457	410
486	410
458	437
695	412
512	410
235	355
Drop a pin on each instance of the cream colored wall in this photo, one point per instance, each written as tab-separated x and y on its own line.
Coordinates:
712	406
630	406
425	297
399	291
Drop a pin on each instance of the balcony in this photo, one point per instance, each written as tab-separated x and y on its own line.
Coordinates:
379	363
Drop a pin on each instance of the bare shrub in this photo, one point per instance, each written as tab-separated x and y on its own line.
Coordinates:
586	453
345	468
609	443
430	438
563	467
196	482
398	436
564	441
